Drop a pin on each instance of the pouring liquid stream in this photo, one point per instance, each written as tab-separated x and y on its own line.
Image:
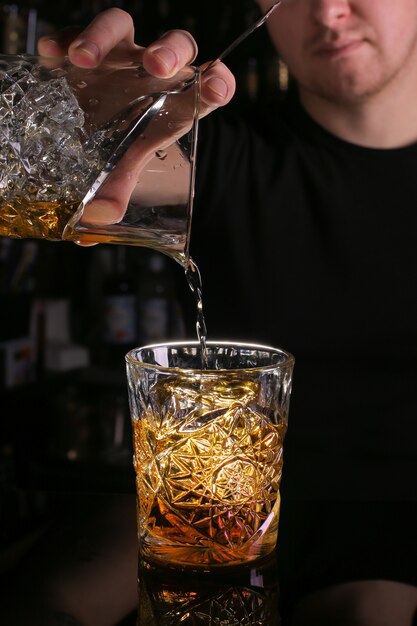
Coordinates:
193	276
192	272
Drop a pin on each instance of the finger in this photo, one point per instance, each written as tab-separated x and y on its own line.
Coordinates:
170	53
111	201
112	198
109	29
146	184
56	45
218	86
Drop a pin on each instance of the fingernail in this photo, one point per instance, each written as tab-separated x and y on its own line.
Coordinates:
166	56
86	48
217	86
49	46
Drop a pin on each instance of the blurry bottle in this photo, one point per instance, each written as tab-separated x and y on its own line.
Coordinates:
136	8
14	30
5	257
284	77
157	19
277	76
72	435
249	10
247	87
159	315
114	429
189	23
252	80
119	323
22	25
163	11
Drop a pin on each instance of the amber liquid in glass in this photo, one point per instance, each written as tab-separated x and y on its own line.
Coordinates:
208	470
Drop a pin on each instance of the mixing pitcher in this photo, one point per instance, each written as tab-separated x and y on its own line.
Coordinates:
97	155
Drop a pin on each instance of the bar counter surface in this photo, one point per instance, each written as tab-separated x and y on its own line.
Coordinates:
337	563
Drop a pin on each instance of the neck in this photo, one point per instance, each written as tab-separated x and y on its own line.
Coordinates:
387	119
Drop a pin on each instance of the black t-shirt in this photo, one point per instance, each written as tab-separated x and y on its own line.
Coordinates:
309	243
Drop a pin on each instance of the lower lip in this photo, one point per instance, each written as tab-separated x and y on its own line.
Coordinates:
339	52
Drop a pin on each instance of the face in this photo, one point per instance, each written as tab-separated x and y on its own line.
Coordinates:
346	50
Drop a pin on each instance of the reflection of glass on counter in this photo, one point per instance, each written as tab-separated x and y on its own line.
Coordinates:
91	428
246	596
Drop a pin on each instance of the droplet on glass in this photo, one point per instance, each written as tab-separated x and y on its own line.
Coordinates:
81	84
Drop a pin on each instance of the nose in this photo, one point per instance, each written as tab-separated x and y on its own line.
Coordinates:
329	12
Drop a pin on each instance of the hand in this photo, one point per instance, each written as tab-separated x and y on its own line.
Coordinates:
111	35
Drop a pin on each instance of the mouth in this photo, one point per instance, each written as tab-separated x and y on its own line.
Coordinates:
338	48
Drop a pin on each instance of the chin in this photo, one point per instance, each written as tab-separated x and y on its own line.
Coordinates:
344	89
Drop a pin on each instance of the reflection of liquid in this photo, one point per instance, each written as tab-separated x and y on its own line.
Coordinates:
46	220
162	228
169	243
208	464
241	597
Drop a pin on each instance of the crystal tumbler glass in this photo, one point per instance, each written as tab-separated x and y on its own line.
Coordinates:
97	155
208	451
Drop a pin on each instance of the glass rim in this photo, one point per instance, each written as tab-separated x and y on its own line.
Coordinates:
289	361
188	72
120	61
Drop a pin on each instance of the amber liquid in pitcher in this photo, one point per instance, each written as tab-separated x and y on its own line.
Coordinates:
34	219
